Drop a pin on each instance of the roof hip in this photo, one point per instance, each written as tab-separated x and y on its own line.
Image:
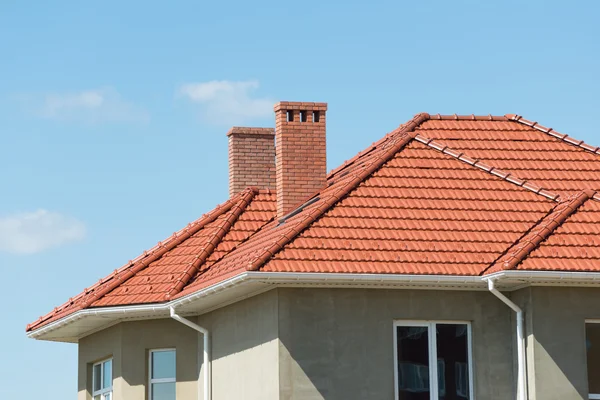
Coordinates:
405	132
540	232
549	131
194	266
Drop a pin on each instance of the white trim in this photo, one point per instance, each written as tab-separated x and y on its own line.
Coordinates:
511	280
103	391
206	361
159	380
432	352
521	351
430	282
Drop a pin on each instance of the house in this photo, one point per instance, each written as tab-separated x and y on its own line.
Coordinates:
458	257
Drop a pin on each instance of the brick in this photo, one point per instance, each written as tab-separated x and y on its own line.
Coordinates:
251	158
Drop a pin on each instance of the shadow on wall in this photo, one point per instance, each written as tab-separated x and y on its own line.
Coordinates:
557	321
338	343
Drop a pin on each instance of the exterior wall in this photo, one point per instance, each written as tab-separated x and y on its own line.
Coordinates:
338	343
129	344
98	347
555	324
245	349
244	352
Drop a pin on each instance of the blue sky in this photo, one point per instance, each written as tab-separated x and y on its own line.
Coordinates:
113	116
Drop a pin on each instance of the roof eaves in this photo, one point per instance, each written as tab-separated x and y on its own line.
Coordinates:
399	138
484	167
120	275
540	232
551	132
238	208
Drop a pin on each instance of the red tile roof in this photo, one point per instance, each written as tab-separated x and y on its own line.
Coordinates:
443	195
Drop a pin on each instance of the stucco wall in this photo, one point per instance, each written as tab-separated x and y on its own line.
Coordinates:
555	325
94	348
338	343
244	352
129	343
245	349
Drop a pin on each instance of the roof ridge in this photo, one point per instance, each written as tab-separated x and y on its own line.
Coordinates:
132	267
551	132
193	267
374	145
507	176
405	135
539	232
471	117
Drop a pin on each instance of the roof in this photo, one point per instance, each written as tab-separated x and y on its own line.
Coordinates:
440	195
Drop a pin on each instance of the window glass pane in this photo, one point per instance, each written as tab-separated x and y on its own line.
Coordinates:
97	378
163	391
99	397
592	342
108	396
452	361
413	362
163	364
107	377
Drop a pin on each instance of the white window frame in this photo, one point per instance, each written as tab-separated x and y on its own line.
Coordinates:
592	396
432	350
102	392
159	380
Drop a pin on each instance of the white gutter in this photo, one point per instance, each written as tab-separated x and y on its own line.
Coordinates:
206	360
521	359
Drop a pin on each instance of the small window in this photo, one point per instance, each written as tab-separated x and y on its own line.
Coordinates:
592	344
433	360
102	380
162	374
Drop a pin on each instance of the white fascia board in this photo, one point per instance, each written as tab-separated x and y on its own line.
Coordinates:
545	278
196	303
250	283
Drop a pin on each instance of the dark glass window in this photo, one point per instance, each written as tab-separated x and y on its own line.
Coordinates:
413	362
432	367
592	341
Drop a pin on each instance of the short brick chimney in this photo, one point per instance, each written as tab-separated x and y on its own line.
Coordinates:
251	158
301	155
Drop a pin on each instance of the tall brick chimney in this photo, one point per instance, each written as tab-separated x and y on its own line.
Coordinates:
301	157
251	158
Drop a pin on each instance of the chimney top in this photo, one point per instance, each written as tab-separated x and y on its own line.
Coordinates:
240	130
298	105
251	158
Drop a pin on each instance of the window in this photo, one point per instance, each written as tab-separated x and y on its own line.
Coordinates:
162	374
592	345
433	360
102	380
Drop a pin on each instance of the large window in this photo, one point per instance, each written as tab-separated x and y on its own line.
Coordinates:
592	344
102	380
433	360
162	374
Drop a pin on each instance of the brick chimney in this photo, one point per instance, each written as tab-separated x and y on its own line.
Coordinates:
251	158
301	157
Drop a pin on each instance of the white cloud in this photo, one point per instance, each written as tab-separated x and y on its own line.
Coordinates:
228	102
89	106
33	232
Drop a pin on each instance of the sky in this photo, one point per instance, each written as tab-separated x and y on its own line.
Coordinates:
113	116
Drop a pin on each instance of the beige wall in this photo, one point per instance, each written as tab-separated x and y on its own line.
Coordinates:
555	328
338	343
129	343
244	352
245	349
293	343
